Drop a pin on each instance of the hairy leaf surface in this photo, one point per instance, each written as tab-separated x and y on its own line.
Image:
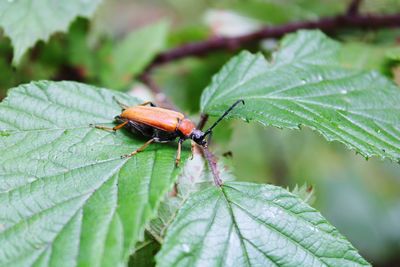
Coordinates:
66	196
245	224
304	84
27	21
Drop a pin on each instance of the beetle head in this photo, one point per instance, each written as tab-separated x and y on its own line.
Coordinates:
198	137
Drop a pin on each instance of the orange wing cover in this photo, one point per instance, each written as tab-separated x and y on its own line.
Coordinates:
163	119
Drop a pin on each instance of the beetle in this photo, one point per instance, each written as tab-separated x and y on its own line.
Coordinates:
161	125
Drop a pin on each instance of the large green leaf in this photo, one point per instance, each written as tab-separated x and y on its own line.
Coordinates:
66	196
27	21
244	224
304	85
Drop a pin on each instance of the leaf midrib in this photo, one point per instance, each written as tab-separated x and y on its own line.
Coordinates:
242	245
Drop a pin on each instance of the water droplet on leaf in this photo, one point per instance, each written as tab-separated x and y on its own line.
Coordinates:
185	248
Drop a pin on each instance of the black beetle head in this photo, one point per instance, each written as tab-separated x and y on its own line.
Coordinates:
198	137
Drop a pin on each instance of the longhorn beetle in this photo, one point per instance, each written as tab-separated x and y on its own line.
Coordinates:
162	125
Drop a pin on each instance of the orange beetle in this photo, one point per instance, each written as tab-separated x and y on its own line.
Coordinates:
162	125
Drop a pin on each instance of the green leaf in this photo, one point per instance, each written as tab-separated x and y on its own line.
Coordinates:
27	21
134	53
66	196
305	85
245	224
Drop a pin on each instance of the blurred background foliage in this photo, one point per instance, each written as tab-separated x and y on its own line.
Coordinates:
361	198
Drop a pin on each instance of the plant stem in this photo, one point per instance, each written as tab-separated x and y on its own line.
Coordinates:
203	121
212	162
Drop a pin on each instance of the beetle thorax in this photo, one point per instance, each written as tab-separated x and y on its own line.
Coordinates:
186	127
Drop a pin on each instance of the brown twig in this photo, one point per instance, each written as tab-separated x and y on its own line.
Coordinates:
203	121
351	19
212	162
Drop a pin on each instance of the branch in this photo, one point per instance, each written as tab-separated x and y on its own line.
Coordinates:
202	122
212	162
327	24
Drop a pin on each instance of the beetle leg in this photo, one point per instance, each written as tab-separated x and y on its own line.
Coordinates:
119	126
148	103
178	153
102	127
193	144
140	149
114	129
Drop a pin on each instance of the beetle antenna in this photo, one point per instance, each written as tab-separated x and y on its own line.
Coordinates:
209	130
122	105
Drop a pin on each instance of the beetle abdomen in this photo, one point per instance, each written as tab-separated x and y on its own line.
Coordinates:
163	119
